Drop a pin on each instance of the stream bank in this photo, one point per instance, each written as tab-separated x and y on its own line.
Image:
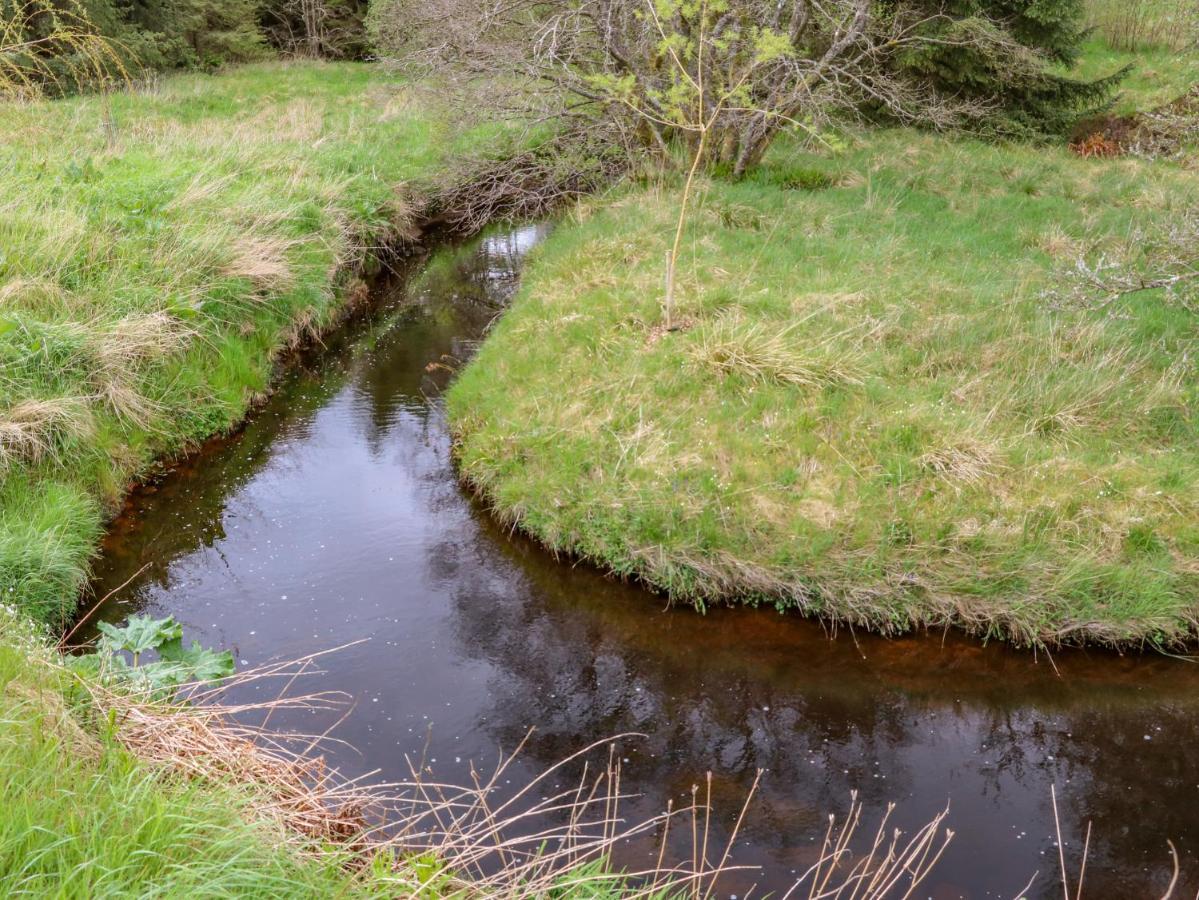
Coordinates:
336	514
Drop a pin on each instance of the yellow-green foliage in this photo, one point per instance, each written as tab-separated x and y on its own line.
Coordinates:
157	248
871	412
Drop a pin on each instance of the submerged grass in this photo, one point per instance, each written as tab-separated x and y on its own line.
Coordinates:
157	249
873	413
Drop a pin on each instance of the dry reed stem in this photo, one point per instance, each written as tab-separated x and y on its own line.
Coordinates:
488	841
1086	849
889	868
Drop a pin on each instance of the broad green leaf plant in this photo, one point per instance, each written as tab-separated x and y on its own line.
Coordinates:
120	651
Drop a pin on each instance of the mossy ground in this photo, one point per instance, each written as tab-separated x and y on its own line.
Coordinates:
872	412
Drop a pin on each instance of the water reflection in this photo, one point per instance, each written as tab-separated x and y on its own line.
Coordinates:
335	516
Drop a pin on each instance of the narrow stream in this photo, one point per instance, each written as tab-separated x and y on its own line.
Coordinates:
335	515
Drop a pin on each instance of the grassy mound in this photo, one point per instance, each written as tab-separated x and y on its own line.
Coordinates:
157	249
872	412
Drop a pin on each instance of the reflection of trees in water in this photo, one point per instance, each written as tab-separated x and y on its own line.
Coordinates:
432	329
574	679
382	358
581	661
173	517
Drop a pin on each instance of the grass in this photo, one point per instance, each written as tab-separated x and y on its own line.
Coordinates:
1158	39
1158	76
84	818
873	413
158	248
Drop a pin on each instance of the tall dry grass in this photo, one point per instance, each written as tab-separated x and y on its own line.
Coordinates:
46	44
483	839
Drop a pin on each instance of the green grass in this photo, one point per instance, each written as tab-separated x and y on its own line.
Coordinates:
1158	75
1159	39
80	817
873	414
157	249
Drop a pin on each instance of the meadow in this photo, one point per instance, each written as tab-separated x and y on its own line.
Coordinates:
875	406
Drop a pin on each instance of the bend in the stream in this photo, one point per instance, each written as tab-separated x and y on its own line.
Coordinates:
335	514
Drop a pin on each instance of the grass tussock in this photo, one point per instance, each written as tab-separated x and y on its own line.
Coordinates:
756	353
34	430
877	414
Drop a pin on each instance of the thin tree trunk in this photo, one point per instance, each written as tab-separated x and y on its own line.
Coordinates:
673	257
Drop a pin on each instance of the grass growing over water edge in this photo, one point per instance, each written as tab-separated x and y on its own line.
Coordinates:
110	793
874	414
157	249
83	818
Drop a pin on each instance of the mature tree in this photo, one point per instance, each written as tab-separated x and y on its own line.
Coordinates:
318	28
204	33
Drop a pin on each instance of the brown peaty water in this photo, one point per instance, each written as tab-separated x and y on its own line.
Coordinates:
335	515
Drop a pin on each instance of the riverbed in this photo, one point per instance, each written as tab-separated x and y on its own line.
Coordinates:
335	515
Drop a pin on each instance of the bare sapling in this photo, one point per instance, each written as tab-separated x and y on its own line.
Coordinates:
643	77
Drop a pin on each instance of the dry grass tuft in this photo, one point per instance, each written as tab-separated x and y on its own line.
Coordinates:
967	461
32	429
121	349
202	188
759	354
37	294
138	338
262	260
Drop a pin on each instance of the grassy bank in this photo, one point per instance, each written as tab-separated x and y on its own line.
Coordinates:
83	818
1158	75
872	411
157	250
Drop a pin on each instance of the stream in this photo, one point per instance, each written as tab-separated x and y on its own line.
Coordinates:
335	515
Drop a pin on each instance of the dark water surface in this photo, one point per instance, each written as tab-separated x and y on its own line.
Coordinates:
335	515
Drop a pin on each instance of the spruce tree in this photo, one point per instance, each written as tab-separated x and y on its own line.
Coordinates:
1011	56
